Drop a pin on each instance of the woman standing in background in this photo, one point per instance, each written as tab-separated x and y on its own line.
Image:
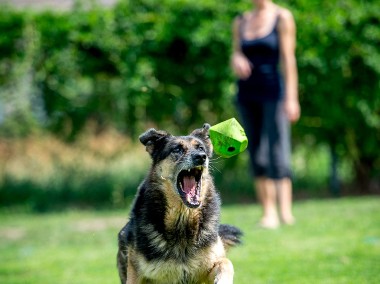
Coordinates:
264	60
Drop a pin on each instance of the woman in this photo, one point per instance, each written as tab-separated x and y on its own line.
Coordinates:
264	60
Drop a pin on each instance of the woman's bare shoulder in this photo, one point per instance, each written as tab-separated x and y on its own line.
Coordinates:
285	14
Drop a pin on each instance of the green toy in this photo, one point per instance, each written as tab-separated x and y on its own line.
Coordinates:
228	138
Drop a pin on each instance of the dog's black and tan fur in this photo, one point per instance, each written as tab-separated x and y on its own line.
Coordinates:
174	235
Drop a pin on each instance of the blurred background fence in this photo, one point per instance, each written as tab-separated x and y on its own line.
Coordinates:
78	85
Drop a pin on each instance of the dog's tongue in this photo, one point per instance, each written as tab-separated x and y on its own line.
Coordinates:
189	185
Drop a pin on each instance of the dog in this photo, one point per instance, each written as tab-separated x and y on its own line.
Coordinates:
173	235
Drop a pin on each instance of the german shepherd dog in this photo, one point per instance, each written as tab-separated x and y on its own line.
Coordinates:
173	234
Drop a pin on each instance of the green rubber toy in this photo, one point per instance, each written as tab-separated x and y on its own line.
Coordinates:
228	138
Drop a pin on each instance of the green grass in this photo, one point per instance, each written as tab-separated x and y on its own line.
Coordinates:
334	241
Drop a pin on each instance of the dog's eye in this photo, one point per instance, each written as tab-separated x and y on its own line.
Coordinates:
177	150
200	147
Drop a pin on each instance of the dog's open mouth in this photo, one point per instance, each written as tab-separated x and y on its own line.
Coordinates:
189	183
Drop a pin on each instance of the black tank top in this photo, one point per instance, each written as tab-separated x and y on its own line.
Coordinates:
265	82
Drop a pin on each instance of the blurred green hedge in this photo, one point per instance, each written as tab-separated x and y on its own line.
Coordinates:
166	63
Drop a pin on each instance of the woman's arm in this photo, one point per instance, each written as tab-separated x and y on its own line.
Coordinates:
239	62
287	33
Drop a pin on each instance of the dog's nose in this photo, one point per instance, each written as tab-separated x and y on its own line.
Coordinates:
200	158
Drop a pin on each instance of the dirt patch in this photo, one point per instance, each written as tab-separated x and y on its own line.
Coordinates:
12	234
100	224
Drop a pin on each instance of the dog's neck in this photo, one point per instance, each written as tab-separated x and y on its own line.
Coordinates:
183	221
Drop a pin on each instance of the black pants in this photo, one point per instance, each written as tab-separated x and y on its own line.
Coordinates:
268	131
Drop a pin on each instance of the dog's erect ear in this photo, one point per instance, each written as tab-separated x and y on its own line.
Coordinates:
151	138
204	135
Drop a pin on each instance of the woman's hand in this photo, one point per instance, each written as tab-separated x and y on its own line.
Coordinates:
292	109
241	66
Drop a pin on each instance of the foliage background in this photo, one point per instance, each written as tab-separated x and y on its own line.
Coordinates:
165	64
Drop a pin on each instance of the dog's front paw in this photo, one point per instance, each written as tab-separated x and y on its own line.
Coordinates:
224	280
222	272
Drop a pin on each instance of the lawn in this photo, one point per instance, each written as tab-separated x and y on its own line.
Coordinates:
334	241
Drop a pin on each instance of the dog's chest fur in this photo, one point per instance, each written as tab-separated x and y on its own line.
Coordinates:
194	271
184	250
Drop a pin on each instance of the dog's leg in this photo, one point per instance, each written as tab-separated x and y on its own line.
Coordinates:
132	273
222	272
122	254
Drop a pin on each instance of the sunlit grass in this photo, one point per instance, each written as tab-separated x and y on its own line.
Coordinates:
334	241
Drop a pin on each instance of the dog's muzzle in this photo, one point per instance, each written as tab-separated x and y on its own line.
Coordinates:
189	184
